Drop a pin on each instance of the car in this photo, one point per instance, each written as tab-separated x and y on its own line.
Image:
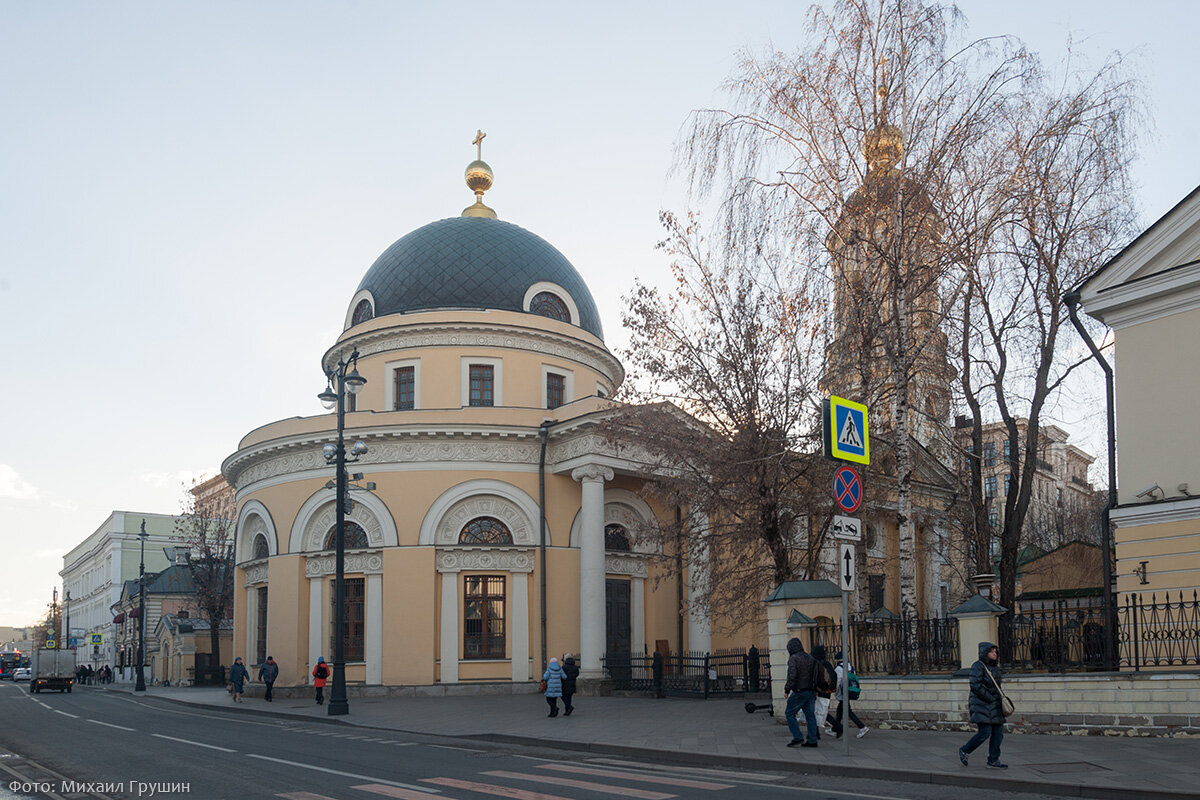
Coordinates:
22	674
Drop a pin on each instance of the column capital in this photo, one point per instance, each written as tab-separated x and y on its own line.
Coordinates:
592	472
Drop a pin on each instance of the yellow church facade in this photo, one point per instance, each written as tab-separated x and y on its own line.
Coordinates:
486	377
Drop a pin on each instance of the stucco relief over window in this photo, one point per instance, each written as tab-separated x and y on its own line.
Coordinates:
255	533
325	518
462	513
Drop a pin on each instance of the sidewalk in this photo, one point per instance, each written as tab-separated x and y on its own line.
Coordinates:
721	733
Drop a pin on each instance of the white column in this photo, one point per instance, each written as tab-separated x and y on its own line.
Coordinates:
373	646
699	627
519	627
251	620
449	627
316	627
591	568
638	626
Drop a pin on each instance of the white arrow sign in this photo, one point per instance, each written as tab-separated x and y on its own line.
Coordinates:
846	567
848	528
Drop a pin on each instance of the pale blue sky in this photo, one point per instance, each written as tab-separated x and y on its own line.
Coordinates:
191	192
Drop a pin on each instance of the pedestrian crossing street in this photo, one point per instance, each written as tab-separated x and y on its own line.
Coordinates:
548	780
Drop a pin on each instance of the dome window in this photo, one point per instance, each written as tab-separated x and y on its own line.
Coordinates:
548	304
353	537
485	530
362	312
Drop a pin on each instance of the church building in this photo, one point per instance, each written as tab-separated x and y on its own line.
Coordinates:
486	377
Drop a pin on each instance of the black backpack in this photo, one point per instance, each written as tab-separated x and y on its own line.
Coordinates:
824	679
321	671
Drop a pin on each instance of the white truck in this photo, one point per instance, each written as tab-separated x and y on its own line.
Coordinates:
52	669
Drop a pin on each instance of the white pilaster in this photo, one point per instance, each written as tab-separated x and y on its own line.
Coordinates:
316	627
519	626
449	659
251	621
699	626
591	568
638	611
373	646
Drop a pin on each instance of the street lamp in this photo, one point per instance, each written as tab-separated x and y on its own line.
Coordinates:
66	637
140	686
343	378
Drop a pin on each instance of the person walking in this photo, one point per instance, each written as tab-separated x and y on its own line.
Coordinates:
570	673
656	672
985	706
268	673
553	677
238	675
320	673
798	689
824	685
843	671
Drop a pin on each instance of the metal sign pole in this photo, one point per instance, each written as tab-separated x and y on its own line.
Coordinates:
845	704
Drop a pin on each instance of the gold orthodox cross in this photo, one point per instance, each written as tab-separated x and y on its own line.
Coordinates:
478	142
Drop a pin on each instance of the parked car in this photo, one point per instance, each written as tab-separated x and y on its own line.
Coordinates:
22	674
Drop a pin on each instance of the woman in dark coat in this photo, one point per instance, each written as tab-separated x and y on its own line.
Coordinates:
986	711
238	675
570	673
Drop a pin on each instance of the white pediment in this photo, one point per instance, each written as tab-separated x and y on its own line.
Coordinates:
1155	275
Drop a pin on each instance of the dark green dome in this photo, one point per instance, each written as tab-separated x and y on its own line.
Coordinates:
472	262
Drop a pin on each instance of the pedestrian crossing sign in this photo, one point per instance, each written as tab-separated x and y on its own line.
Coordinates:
844	429
97	638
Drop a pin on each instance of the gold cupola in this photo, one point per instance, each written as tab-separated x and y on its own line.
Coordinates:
479	179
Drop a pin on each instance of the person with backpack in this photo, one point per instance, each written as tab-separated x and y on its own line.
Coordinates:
320	674
848	689
824	685
798	689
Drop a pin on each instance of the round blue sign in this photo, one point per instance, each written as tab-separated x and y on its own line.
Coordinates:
847	489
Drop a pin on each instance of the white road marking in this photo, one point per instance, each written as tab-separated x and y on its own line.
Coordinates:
194	744
110	725
43	705
747	775
464	749
356	776
65	714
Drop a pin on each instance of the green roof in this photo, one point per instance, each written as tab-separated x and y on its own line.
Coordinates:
975	604
797	618
804	590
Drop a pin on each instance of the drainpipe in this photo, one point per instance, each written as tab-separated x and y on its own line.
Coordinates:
543	434
1072	301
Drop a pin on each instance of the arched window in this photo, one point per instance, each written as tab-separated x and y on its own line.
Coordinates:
485	530
353	537
616	537
261	549
362	312
550	305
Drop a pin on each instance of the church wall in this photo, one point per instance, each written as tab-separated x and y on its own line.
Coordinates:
409	615
287	633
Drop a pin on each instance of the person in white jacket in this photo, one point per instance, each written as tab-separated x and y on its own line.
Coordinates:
842	697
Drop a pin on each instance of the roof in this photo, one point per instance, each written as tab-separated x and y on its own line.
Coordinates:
472	262
1056	594
796	618
975	604
804	590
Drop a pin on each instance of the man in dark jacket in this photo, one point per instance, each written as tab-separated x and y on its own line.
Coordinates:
570	673
798	689
268	673
986	711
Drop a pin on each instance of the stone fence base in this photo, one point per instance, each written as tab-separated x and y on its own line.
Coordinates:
1136	704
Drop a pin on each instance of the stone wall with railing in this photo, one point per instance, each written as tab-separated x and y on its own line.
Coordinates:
1139	704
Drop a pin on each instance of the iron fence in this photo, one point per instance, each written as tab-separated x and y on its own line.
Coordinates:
1160	633
692	673
893	646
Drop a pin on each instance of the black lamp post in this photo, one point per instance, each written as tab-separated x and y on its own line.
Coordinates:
66	637
343	378
140	685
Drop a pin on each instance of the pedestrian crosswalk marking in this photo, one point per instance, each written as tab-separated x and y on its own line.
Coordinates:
303	796
622	791
398	793
636	776
720	773
489	788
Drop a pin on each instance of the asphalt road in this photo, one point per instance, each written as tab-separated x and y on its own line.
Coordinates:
96	745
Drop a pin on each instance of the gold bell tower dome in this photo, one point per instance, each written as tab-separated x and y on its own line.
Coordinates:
479	179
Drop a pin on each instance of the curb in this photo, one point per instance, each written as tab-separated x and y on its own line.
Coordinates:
686	758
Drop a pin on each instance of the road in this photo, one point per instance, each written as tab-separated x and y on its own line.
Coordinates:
97	745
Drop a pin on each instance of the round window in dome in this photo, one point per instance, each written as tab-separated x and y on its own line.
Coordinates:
362	312
485	530
353	536
548	304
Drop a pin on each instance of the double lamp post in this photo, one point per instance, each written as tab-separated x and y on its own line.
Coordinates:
339	380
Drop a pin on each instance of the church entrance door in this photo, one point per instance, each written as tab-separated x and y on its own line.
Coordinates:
617	629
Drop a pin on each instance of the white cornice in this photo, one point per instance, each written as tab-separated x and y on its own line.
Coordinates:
1145	299
1159	513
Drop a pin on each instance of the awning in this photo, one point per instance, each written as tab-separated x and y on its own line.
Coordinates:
118	619
135	613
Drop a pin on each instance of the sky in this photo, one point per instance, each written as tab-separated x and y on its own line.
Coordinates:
190	194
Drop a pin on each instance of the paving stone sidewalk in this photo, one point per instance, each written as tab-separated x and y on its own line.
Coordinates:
720	732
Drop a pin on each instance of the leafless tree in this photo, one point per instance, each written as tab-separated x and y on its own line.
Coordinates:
206	530
722	379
